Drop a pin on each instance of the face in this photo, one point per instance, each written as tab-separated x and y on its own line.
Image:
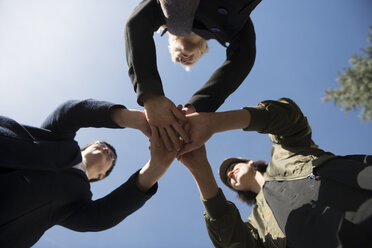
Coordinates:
186	50
240	175
98	158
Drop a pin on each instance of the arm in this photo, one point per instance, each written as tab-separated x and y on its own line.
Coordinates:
110	210
161	113
72	115
131	118
159	163
201	126
224	224
146	19
283	120
225	80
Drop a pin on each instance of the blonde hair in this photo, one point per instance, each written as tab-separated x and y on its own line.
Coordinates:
193	43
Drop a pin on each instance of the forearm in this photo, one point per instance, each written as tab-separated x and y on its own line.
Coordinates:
140	49
73	115
283	119
205	181
229	120
225	80
149	175
108	211
127	117
222	83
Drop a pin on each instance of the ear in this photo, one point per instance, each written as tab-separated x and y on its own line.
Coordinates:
100	176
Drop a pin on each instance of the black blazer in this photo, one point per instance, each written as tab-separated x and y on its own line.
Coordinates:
228	22
38	187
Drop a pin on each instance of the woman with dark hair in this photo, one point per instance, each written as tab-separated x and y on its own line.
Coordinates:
228	171
304	197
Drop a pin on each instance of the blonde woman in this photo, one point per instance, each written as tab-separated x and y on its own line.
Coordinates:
190	23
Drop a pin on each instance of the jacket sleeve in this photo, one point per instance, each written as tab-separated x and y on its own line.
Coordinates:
283	120
110	210
225	226
240	57
146	19
72	115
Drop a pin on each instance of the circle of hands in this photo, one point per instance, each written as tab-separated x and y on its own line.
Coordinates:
174	131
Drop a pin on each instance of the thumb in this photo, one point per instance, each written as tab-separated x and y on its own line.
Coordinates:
187	148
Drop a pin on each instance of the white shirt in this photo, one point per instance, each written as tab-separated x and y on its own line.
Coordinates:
81	166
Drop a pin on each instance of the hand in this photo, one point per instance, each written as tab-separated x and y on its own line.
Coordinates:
159	163
165	119
194	160
199	128
160	156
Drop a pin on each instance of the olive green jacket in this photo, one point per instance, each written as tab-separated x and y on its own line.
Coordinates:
294	155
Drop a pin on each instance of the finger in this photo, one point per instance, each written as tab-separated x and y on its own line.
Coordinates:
187	127
178	115
155	136
181	132
165	139
174	138
187	148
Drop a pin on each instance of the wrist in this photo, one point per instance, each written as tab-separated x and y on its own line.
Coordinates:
213	122
200	169
230	120
158	166
129	118
148	99
148	176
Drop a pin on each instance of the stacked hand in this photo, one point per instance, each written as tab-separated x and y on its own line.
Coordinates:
199	129
181	129
167	121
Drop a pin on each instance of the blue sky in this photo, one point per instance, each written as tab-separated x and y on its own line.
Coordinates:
52	51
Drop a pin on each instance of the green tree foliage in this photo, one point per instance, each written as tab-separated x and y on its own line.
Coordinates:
355	91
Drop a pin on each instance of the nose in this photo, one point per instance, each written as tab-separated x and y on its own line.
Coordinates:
186	57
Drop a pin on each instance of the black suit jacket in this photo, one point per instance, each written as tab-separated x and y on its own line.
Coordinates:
38	186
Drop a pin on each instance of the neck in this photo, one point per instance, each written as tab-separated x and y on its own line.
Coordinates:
87	168
258	182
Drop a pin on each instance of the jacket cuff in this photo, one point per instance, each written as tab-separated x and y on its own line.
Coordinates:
111	108
259	118
216	206
148	89
149	193
204	103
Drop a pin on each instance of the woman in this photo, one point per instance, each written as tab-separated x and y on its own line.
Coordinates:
190	23
304	197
